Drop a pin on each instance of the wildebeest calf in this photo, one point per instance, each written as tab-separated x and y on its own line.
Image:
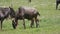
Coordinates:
26	13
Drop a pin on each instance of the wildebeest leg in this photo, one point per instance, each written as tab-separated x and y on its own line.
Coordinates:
37	22
1	24
24	23
32	23
57	5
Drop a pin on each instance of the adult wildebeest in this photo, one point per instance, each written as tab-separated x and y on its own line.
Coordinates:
26	13
4	13
57	3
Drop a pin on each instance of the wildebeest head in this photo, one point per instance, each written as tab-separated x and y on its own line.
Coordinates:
57	3
13	24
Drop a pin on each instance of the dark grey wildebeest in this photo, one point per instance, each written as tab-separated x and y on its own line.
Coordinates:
4	13
57	3
26	13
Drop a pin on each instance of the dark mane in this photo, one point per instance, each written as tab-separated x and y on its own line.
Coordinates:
12	12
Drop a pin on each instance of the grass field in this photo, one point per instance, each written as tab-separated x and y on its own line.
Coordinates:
50	17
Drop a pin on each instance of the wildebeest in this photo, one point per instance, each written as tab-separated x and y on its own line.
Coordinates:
57	3
4	13
26	13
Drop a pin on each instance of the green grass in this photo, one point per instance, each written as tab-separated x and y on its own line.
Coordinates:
50	17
